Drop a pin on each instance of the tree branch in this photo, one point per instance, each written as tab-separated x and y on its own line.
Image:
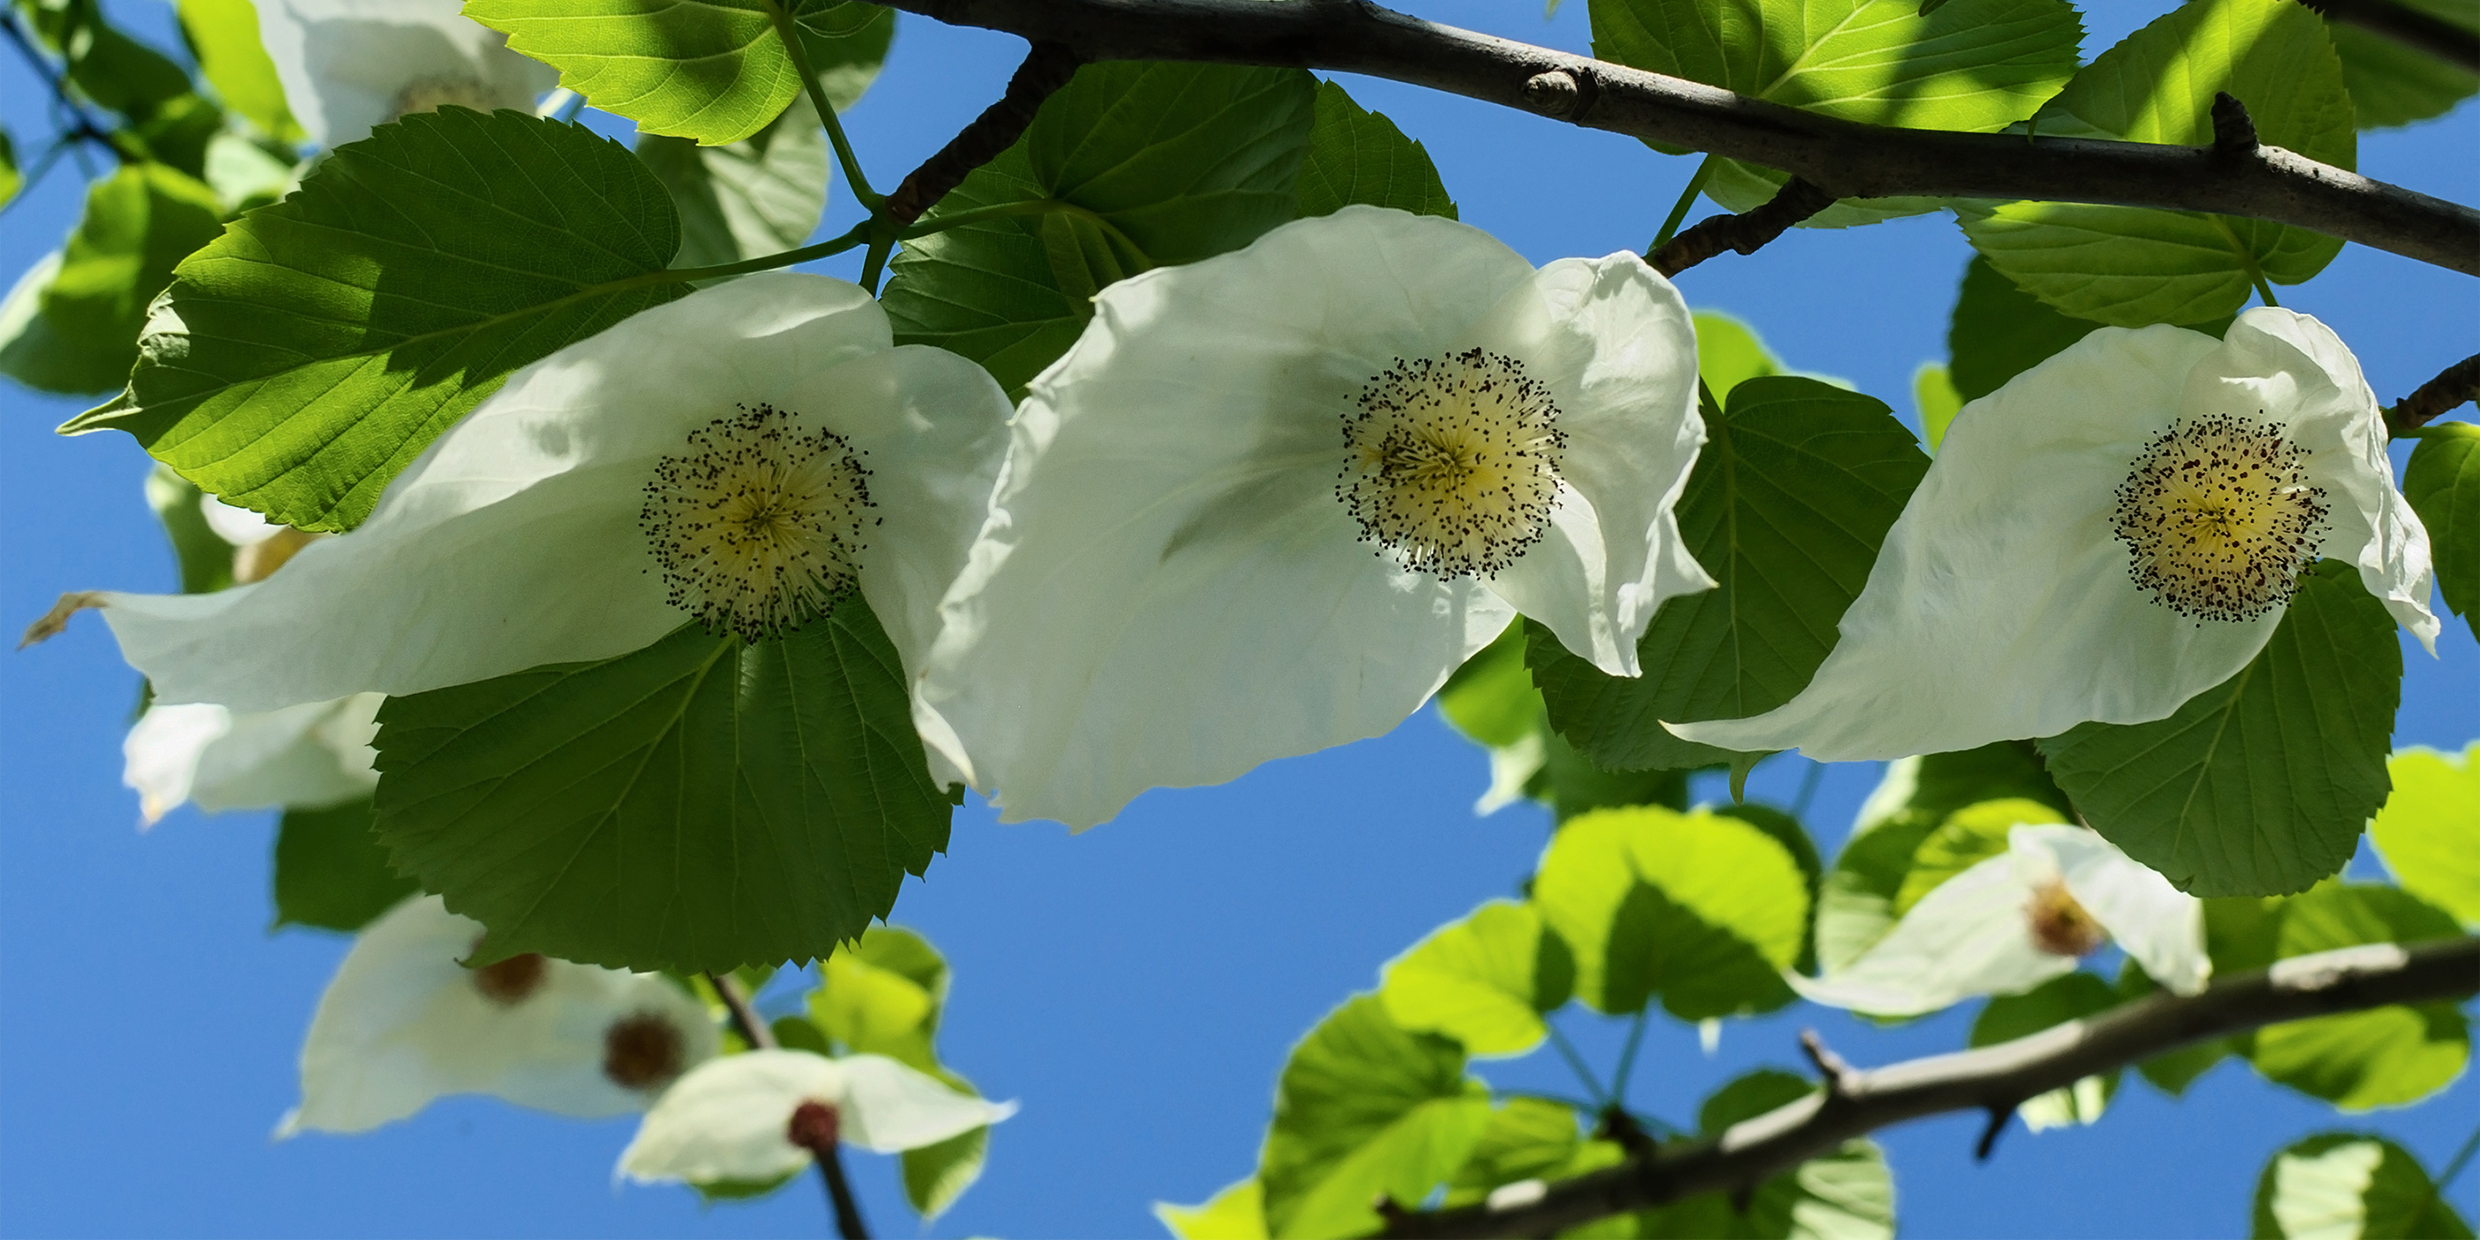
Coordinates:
1045	69
2458	383
2407	26
1842	158
1994	1079
1745	233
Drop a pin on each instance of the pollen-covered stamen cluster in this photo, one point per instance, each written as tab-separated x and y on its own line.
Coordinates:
2060	925
758	525
1452	463
2220	518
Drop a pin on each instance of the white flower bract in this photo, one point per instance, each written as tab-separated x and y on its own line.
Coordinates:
731	1118
299	757
404	1023
348	65
2111	533
525	535
1270	500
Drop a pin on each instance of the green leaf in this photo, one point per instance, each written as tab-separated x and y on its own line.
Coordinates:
1236	1213
1529	1139
2429	830
1974	65
847	42
761	195
2052	1003
204	558
1966	838
2443	485
1365	1107
224	34
1483	981
1999	331
712	70
2133	266
2389	1056
107	66
330	871
1845	1195
1170	162
882	995
2259	785
1935	399
1356	155
10	180
2351	1184
694	806
2390	83
1729	352
1490	699
1702	910
936	1175
1794	491
320	344
72	325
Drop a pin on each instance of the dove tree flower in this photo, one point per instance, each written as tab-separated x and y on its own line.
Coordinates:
765	1114
2111	533
297	757
743	457
1270	500
348	65
405	1022
2010	922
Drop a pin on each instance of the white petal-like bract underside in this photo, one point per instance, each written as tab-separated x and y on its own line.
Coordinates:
348	65
1968	936
297	757
731	1118
2154	922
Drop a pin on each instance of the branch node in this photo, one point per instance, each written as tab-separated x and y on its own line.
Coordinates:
1621	1128
2455	385
2234	131
1998	1116
1553	93
1837	1071
1745	233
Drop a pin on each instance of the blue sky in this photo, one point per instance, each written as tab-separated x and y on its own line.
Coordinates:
1136	987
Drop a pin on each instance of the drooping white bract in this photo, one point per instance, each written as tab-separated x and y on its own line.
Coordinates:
2111	533
2014	921
741	456
299	757
1270	500
348	65
731	1118
404	1023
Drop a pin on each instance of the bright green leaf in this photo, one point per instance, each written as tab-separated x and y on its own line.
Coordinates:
936	1175
1729	353
2073	996
1935	400
1236	1213
224	34
72	322
1483	981
1796	487
2443	485
2259	785
2429	830
697	805
2133	266
1703	910
321	343
1845	1195
1356	155
1365	1107
761	195
2388	1056
882	995
2390	83
330	871
1529	1139
1168	163
847	42
1490	699
1966	838
2350	1184
712	70
10	179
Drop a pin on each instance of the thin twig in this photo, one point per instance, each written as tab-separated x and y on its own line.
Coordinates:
81	127
2453	386
1045	69
1744	233
754	1030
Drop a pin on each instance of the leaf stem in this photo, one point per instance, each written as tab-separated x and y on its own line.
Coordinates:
2455	1165
754	1031
1679	209
1627	1059
875	261
790	33
1576	1063
1808	788
851	237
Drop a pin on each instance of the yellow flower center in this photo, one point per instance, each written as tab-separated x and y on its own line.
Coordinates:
1452	463
758	525
433	93
2059	925
2220	518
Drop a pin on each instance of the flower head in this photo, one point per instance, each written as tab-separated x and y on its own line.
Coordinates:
2111	533
1270	500
759	1116
741	456
348	65
405	1022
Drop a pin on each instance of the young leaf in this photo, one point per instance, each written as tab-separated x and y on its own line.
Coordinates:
1169	162
761	195
10	179
1935	400
330	870
2443	485
1844	1195
72	322
2392	84
2389	1056
711	70
2259	785
1797	484
697	805
224	34
2429	830
1730	352
2351	1184
1236	1213
881	996
1483	981
2054	1002
2132	266
1363	1108
310	353
1356	155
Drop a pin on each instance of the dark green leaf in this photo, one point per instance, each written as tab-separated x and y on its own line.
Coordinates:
2443	485
1170	163
331	871
1356	155
1365	1107
761	195
1793	493
847	42
2390	83
2389	1056
2259	785
75	328
204	558
314	349
2054	1002
2351	1184
1999	331
712	70
107	66
697	805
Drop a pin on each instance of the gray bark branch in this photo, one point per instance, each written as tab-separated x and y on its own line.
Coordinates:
1842	158
1994	1079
